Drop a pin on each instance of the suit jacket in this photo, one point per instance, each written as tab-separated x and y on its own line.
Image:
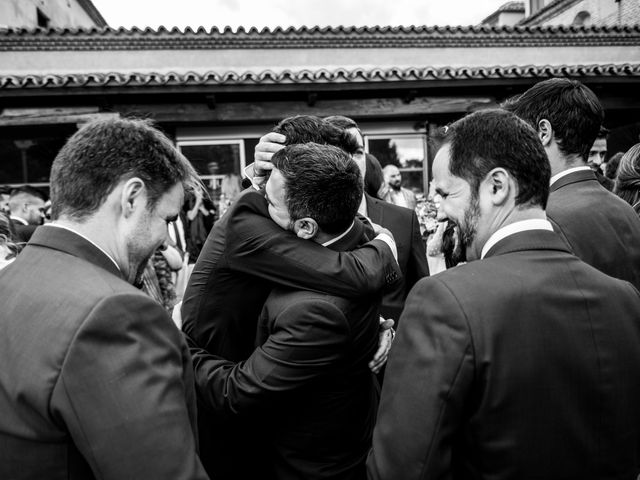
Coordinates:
307	387
244	257
412	257
523	365
598	227
96	380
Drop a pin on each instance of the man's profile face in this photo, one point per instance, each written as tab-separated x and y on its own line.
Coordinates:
598	152
4	203
275	195
458	203
150	230
34	210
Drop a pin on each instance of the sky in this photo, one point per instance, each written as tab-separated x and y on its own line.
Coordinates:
296	13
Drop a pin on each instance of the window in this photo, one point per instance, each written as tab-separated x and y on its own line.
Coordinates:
213	159
407	152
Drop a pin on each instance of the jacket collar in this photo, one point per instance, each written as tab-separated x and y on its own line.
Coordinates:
574	177
69	242
351	240
528	240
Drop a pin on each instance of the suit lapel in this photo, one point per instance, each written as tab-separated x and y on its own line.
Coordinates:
66	241
575	177
528	240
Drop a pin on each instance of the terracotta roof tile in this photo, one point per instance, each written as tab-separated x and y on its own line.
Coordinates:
16	39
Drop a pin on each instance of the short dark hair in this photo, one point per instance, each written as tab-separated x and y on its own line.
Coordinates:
343	123
309	128
603	132
28	190
103	153
321	182
627	184
494	138
572	109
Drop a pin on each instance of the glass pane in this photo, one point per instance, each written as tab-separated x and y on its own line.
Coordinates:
28	161
214	159
407	153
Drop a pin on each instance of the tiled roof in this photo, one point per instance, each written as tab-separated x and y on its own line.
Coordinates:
316	37
321	76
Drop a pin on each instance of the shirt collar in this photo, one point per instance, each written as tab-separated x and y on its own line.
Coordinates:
513	228
87	239
334	240
19	220
563	173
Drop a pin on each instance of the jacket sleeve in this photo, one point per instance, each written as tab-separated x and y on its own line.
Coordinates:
123	393
256	244
306	342
430	372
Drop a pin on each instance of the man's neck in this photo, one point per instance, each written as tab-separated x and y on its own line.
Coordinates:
516	214
560	162
95	231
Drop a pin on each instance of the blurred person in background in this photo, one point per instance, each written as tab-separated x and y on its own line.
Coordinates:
627	185
611	167
27	205
598	156
5	194
230	188
394	191
8	249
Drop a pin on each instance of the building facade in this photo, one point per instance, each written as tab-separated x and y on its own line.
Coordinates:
216	92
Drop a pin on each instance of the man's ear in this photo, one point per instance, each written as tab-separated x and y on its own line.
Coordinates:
545	132
500	185
133	196
305	228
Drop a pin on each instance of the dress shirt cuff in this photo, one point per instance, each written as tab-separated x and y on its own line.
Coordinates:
389	241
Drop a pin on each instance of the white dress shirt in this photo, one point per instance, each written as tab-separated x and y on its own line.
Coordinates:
566	172
516	227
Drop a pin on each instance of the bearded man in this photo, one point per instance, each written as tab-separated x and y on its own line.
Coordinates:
523	363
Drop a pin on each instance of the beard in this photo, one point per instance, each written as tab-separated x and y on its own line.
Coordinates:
459	236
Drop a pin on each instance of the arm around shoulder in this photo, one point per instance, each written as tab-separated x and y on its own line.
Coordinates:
256	245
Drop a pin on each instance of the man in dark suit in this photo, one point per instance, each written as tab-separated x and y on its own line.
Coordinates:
598	227
307	386
96	380
244	257
523	363
27	205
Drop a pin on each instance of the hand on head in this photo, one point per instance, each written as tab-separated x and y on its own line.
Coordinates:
266	147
